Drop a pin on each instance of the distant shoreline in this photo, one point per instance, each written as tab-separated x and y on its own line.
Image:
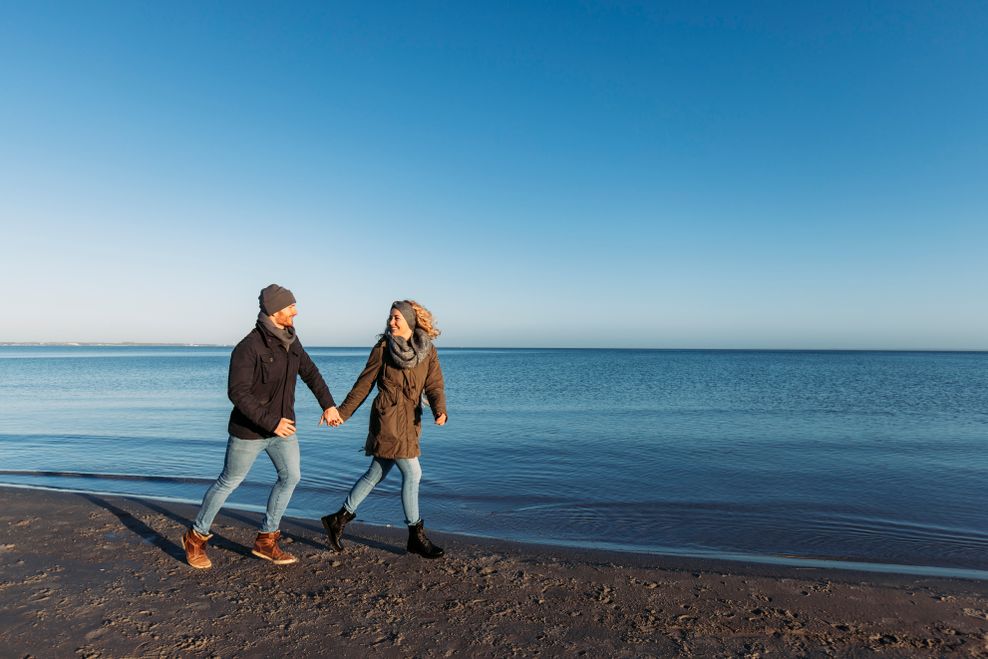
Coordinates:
107	344
140	344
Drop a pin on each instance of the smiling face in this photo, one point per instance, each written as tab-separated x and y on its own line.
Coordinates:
285	317
398	326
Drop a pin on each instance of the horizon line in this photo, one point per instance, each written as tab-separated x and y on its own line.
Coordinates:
176	344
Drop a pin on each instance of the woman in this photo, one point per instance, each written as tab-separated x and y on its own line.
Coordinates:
403	364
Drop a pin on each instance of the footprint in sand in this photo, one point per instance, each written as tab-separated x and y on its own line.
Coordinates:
42	595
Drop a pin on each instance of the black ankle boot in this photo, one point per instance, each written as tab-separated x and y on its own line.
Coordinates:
334	525
421	545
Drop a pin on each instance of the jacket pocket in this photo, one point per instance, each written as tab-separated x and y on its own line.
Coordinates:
265	362
384	418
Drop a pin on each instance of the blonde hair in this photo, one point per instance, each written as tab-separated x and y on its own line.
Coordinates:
424	319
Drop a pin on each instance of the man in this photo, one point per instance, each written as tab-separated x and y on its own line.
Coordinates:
261	385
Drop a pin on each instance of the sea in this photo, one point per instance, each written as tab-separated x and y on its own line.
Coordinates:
859	460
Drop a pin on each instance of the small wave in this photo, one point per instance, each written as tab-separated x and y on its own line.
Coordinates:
183	480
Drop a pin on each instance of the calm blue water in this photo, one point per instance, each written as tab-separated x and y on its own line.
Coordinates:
865	457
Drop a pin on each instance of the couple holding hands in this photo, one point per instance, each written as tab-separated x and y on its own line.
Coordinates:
264	367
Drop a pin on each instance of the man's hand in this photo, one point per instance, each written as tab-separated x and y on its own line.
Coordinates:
441	420
286	428
331	417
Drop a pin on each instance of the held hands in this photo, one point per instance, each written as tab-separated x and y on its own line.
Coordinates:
331	417
441	419
286	428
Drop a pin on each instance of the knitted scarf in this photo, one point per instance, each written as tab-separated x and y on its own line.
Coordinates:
286	335
408	354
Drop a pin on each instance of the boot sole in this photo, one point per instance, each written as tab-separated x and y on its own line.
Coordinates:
198	567
280	561
429	556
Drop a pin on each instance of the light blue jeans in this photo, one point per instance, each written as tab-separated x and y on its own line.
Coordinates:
411	475
240	456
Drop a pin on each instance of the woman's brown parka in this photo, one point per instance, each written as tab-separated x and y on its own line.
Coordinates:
396	413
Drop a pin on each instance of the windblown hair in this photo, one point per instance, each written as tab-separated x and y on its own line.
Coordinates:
424	319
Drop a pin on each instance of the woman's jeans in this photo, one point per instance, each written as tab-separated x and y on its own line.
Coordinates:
240	456
411	474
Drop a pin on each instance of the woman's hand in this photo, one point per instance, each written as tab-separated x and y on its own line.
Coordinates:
441	419
331	417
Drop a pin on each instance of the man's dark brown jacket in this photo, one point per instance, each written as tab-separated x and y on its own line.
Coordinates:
262	384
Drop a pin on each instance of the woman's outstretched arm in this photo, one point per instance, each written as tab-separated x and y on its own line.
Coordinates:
364	383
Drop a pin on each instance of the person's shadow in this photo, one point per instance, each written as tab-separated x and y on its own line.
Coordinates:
164	543
155	538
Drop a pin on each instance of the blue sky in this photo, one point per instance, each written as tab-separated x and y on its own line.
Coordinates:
697	174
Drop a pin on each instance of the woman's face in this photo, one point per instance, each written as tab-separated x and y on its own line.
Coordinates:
398	326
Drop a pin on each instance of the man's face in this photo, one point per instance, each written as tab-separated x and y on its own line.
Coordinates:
285	317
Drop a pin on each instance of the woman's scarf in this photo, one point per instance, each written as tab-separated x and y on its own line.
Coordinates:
286	335
408	354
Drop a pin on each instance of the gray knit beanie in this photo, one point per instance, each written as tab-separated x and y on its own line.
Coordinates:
274	298
407	311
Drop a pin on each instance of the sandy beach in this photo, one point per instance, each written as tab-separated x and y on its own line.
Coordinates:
98	576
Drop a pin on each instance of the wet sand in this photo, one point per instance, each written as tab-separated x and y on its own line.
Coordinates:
100	576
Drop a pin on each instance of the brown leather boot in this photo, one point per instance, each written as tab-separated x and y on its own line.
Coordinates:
266	547
195	549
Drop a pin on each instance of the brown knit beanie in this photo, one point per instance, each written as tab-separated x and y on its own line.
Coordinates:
274	298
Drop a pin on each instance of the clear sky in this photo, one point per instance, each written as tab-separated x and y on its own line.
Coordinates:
614	174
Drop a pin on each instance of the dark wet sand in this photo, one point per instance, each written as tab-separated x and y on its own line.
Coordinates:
100	576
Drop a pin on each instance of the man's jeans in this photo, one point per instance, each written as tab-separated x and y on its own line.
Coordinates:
240	456
411	474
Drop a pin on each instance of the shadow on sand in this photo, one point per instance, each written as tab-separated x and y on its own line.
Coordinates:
153	537
312	536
